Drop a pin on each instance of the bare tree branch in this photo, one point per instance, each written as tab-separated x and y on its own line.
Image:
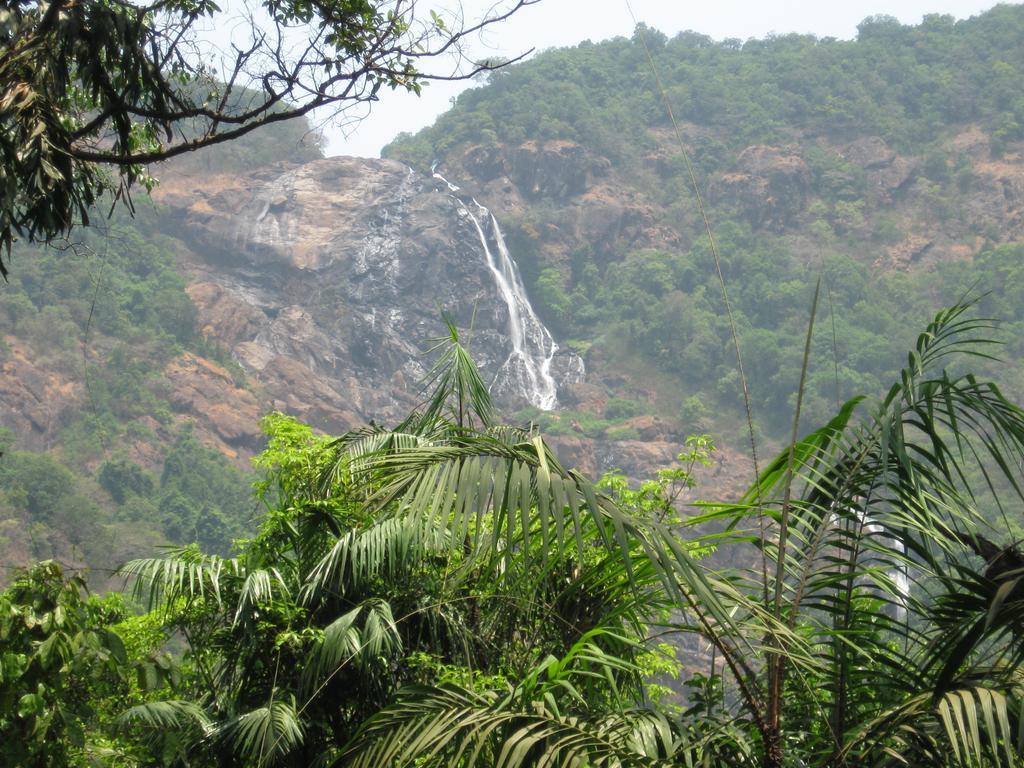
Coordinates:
92	83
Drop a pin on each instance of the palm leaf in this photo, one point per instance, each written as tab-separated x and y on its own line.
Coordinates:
455	387
262	736
387	549
184	573
970	724
360	636
456	726
162	716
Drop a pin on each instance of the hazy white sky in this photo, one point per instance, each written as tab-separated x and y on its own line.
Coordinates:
553	23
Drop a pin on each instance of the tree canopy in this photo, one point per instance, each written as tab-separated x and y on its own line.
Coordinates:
446	593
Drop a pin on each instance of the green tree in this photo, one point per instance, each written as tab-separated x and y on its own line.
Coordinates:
60	659
39	483
121	478
363	581
822	652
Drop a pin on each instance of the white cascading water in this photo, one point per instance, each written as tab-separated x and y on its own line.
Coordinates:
528	365
900	574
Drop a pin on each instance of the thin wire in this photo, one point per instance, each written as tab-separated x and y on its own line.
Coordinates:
81	249
87	331
64	567
725	294
832	316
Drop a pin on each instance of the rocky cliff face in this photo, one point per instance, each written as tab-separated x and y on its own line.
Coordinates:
328	281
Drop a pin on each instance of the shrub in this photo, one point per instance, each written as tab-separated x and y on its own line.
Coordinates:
618	408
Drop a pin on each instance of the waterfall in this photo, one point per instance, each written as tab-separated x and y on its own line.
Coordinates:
533	348
528	365
900	575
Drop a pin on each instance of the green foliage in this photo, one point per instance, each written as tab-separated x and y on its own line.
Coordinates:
202	498
666	307
818	655
621	408
365	577
50	508
118	280
693	412
60	659
658	499
39	482
551	298
121	478
904	84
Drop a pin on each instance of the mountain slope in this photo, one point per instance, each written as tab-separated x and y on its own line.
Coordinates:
137	364
891	164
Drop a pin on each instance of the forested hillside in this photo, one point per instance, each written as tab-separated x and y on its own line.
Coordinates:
109	447
891	165
304	412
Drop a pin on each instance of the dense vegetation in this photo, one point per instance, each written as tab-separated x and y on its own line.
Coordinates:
446	593
904	83
668	305
660	309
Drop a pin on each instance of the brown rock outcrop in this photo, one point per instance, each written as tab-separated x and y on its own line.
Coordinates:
556	169
905	254
997	197
769	184
205	392
886	171
35	399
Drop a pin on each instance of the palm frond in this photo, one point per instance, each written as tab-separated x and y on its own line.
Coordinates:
258	589
184	573
361	636
515	504
455	388
977	614
387	549
262	736
355	453
162	716
455	726
969	725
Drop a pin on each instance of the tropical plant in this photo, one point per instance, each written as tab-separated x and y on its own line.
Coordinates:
863	632
60	659
366	579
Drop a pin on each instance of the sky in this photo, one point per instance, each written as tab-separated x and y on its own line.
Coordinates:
556	23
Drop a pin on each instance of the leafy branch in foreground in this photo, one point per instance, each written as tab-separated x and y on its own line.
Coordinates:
91	92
